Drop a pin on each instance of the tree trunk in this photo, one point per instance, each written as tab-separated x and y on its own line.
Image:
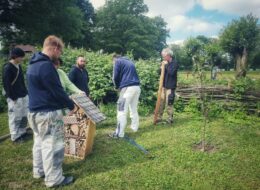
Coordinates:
241	64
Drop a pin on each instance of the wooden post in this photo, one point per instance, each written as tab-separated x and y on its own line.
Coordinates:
158	102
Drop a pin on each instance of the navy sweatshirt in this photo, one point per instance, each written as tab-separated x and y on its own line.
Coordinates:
124	73
80	78
170	75
44	86
18	89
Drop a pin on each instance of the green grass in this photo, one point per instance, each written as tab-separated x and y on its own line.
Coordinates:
171	164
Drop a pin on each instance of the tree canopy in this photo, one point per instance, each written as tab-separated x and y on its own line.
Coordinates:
122	27
239	38
240	34
30	21
119	26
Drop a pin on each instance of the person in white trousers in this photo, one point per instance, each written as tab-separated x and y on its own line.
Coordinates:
16	93
47	99
126	79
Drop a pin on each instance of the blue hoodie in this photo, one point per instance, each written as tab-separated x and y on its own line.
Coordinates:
44	86
80	78
124	73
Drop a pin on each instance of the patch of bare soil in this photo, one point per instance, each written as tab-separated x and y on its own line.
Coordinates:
208	147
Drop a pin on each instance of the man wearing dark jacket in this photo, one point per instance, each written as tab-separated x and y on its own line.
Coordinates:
79	75
169	85
126	80
16	93
47	98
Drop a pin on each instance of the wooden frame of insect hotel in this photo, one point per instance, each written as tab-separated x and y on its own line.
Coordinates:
80	128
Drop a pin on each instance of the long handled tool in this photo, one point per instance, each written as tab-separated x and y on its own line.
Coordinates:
2	138
132	141
158	102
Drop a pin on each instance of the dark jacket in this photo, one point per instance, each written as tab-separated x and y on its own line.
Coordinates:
17	89
44	86
170	75
80	78
124	73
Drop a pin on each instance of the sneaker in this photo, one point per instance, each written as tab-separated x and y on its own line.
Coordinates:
160	121
38	176
113	135
19	140
169	121
134	129
67	180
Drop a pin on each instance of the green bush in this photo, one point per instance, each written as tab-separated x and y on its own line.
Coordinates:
99	67
215	109
193	106
100	70
241	86
149	78
179	105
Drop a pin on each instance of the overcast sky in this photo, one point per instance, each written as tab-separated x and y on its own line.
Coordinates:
188	18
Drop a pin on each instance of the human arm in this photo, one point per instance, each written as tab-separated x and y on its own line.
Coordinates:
67	84
8	78
116	75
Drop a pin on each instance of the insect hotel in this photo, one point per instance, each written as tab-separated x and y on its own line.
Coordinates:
80	127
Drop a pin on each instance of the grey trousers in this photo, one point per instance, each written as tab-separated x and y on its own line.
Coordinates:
48	147
167	98
17	116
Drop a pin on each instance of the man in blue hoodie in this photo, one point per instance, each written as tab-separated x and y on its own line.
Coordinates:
79	75
125	79
47	98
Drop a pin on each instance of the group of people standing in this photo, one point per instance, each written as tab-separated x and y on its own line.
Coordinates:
46	98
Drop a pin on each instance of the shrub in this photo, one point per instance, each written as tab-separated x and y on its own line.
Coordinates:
179	105
100	70
149	78
240	86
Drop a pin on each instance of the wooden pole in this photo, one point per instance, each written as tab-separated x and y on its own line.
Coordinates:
158	102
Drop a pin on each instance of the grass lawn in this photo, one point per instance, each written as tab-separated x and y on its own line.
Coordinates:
171	164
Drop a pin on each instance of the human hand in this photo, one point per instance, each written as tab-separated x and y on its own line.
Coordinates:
74	110
164	62
82	92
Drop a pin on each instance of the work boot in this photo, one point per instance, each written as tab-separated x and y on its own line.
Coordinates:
169	121
67	180
38	176
19	140
160	121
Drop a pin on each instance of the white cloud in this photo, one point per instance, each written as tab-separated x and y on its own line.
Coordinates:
167	8
177	42
182	23
238	7
173	12
97	3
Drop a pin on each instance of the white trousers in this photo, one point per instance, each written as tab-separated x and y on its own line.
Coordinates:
128	98
17	116
48	147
